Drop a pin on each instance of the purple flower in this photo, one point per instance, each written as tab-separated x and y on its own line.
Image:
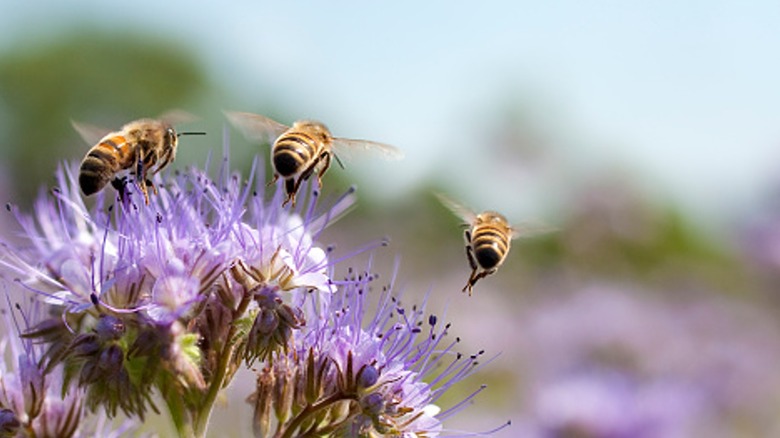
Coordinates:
613	362
608	403
357	371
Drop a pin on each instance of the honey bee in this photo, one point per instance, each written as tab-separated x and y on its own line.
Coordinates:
304	149
144	147
488	238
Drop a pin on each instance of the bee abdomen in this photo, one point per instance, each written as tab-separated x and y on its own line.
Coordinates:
291	153
96	170
490	247
488	256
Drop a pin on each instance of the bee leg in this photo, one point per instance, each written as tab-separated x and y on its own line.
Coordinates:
325	159
140	175
474	278
470	283
291	188
470	252
273	181
165	159
309	170
149	183
472	263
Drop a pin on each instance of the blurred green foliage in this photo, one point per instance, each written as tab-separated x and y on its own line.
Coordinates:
98	78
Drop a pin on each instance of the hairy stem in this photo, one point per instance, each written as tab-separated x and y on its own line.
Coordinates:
182	419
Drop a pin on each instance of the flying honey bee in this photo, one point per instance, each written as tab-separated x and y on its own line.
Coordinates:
488	237
304	149
144	147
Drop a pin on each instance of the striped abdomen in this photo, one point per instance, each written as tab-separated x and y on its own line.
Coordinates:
490	244
293	151
102	162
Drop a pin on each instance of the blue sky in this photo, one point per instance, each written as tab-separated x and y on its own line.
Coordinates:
683	95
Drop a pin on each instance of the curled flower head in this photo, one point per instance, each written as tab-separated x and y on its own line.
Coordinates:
356	373
33	400
273	325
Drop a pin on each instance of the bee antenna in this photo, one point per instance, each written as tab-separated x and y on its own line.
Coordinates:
179	134
338	160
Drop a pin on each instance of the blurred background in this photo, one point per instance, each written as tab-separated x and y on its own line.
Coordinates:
647	134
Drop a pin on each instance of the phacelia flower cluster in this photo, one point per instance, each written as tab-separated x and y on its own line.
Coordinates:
160	304
361	371
32	403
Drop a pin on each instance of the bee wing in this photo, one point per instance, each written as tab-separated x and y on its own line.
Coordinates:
90	133
531	229
459	209
256	127
346	149
177	117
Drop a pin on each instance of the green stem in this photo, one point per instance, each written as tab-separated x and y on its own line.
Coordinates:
203	412
182	420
